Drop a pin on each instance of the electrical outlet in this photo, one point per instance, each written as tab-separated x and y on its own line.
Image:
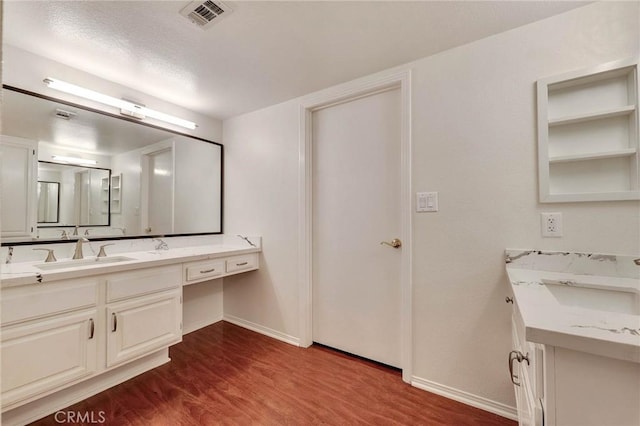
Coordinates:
551	224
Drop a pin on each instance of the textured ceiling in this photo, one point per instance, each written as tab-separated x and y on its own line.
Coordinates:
262	53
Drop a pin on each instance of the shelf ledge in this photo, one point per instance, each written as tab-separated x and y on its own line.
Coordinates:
593	156
614	112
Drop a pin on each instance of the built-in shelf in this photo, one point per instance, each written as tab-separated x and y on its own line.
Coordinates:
588	134
615	112
593	156
116	184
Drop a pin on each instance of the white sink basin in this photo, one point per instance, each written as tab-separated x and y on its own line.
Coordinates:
609	300
82	262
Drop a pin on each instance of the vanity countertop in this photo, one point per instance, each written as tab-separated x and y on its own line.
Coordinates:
544	286
23	273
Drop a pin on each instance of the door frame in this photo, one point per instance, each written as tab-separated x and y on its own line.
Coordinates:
333	96
145	154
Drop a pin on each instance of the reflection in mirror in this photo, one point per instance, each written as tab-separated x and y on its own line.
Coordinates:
147	181
48	202
83	194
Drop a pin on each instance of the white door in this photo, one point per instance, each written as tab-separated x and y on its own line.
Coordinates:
160	208
356	206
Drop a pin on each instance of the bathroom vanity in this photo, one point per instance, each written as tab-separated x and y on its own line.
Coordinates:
575	358
73	328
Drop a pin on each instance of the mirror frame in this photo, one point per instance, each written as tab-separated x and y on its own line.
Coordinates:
136	121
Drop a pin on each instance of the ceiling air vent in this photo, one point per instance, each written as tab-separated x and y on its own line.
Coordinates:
65	115
205	13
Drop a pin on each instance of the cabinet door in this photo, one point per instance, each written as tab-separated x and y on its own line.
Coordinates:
41	356
141	326
18	175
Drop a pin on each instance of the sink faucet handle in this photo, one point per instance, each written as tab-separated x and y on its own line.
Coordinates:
50	255
101	252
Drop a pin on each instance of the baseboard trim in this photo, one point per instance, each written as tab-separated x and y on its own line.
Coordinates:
190	328
295	341
466	398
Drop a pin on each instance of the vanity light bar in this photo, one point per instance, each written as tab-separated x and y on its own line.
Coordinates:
129	108
74	160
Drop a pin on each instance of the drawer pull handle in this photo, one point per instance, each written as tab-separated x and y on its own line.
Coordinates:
92	328
242	264
508	299
206	271
516	356
114	318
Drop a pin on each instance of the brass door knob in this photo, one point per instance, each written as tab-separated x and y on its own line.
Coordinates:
395	243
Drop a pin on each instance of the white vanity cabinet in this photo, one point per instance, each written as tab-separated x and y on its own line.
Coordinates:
49	338
144	312
525	368
557	386
71	332
59	333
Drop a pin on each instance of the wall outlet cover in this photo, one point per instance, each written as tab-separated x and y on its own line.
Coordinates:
551	224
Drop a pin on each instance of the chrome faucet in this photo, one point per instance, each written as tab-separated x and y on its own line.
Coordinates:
78	253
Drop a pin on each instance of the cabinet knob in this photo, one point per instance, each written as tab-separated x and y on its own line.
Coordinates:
508	299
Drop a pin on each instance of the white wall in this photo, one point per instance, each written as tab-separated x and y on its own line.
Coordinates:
473	128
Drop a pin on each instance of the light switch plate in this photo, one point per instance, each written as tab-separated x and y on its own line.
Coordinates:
426	202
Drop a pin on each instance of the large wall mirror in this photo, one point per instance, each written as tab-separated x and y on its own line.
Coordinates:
107	176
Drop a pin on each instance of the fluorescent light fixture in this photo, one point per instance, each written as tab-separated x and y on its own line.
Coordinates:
128	108
75	160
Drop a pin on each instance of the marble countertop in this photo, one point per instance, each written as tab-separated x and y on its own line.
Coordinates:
553	314
24	273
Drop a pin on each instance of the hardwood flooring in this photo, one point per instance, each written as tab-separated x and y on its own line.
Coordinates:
227	375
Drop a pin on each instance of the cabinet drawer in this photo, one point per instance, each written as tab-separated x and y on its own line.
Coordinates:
41	300
145	281
200	271
241	263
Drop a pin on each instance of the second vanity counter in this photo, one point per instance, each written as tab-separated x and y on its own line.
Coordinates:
25	273
579	305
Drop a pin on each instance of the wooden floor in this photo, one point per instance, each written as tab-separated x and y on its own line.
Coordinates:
224	374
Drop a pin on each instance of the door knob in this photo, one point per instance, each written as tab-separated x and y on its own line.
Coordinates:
395	243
